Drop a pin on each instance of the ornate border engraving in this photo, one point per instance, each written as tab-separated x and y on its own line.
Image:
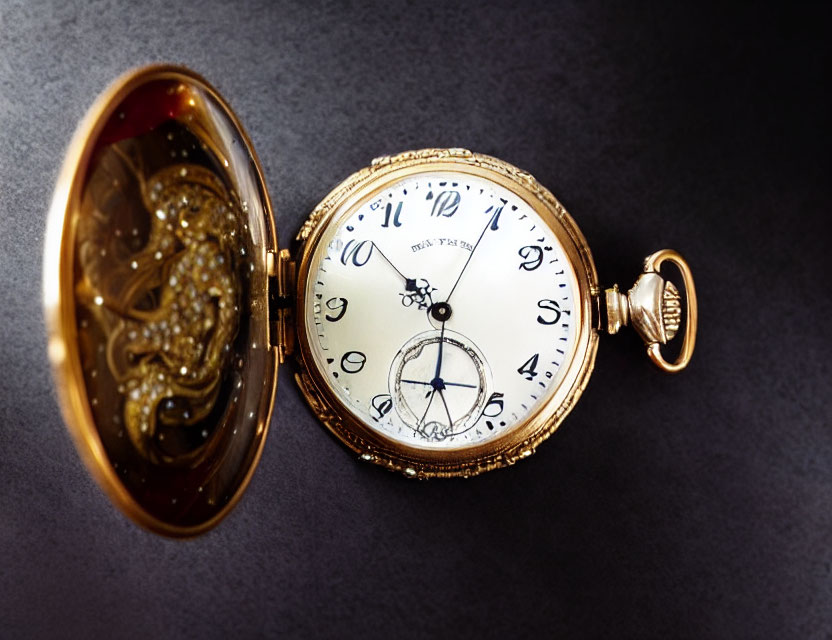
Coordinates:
338	419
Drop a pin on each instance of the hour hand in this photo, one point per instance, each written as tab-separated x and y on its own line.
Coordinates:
417	290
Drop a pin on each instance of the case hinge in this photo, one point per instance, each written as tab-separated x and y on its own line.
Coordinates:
281	270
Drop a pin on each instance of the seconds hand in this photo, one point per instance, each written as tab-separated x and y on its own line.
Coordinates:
445	382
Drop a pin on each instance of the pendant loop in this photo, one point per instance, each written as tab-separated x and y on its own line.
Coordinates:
653	308
652	265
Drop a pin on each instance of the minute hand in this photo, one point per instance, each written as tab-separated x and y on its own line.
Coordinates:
465	266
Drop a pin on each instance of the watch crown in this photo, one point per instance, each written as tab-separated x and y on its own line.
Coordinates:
618	310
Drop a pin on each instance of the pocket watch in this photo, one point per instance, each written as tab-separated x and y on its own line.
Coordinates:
440	307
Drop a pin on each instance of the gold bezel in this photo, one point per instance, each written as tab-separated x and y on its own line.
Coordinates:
519	442
59	299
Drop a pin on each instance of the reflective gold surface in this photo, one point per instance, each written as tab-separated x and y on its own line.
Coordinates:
159	322
165	300
521	441
670	314
653	307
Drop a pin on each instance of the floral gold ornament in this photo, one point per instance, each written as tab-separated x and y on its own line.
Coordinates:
156	293
440	307
168	310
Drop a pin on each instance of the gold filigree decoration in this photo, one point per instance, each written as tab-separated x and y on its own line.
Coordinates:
169	309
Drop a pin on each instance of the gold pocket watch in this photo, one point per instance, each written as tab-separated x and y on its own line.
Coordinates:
441	307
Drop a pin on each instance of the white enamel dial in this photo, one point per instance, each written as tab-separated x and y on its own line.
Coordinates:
441	310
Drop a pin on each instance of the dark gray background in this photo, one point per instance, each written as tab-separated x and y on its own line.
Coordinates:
691	506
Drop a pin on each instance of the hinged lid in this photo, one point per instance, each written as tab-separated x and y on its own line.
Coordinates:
156	287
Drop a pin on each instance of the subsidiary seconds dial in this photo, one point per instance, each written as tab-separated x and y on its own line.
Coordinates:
440	309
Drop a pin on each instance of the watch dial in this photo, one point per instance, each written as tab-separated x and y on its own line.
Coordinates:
441	310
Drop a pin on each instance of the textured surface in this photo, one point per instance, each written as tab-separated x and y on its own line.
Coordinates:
691	506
